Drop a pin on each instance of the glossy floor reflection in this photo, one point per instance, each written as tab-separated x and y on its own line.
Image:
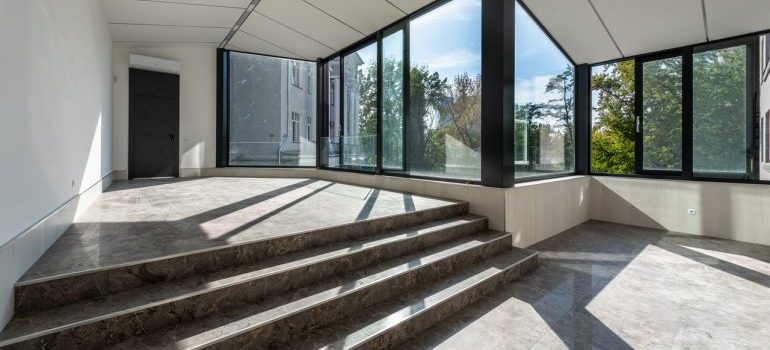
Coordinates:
610	286
148	219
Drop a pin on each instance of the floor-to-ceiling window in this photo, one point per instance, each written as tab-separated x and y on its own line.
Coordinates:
444	126
544	110
271	111
358	144
393	101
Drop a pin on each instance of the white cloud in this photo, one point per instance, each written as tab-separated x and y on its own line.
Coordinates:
452	60
457	10
533	90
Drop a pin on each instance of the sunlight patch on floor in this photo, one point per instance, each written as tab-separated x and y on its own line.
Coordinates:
663	299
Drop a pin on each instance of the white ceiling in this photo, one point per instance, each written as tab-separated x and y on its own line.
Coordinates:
589	30
600	30
306	29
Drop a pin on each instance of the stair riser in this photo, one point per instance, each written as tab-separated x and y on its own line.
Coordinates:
414	326
48	294
286	329
110	331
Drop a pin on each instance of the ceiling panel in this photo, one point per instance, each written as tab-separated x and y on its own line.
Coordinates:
732	18
153	12
224	3
250	43
366	16
651	25
586	43
310	21
168	34
410	6
290	40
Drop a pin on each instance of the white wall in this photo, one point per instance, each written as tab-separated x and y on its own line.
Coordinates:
197	103
56	117
538	210
726	210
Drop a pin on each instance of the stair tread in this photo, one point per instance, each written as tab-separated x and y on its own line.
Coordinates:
367	323
68	316
228	323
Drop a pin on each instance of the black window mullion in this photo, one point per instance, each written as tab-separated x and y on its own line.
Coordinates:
406	108
687	110
341	84
378	162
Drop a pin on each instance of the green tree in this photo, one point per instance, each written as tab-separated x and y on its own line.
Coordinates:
612	148
464	110
427	97
719	110
562	108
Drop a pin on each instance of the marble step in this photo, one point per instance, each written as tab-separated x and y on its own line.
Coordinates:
33	294
199	296
283	317
389	323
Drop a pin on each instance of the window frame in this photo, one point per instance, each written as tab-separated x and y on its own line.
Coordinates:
223	111
755	75
639	115
576	108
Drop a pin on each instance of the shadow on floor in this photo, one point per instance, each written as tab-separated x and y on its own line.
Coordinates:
575	266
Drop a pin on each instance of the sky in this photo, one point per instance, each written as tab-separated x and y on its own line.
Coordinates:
537	60
448	41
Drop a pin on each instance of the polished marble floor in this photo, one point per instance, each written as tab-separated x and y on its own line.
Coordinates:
145	219
609	286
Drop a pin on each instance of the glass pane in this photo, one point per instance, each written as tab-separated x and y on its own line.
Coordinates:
359	127
612	118
764	107
330	146
544	103
662	114
720	112
272	111
393	101
444	129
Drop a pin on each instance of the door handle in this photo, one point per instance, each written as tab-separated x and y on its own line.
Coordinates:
171	137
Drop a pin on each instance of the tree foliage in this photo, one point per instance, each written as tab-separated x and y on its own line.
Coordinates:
612	148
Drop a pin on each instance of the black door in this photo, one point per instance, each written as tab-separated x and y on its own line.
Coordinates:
153	118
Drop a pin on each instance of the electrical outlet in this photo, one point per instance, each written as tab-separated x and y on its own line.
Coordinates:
691	211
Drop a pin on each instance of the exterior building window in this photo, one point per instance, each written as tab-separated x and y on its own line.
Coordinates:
294	73
332	92
308	128
295	127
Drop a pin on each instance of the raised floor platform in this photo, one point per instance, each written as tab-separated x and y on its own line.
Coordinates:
145	220
258	264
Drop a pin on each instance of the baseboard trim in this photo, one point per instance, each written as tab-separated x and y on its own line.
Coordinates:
22	251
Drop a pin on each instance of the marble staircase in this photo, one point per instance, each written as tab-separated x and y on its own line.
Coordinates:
370	284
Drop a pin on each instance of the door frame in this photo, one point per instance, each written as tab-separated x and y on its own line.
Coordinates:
133	74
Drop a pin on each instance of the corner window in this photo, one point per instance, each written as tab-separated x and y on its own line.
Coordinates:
544	110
